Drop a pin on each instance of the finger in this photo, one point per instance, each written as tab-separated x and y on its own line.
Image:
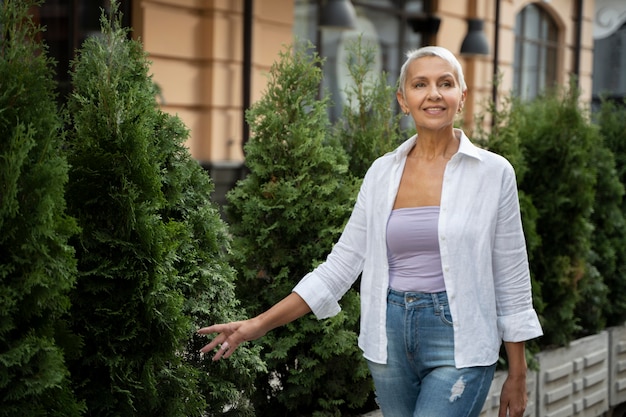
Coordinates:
224	351
503	410
213	343
216	328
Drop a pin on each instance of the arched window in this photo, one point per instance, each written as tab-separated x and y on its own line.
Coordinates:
535	61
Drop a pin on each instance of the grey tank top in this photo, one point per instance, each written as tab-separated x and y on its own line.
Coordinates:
413	250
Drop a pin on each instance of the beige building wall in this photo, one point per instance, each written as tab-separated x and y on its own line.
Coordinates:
196	49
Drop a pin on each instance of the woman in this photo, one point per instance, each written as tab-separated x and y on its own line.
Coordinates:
436	232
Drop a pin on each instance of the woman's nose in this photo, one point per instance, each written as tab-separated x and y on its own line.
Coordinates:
434	94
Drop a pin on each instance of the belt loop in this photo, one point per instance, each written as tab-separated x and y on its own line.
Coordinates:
436	303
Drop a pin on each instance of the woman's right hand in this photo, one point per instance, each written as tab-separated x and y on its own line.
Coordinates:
230	336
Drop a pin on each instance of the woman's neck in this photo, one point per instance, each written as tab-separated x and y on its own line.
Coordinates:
431	145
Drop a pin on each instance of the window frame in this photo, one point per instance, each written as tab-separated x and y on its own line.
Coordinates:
542	48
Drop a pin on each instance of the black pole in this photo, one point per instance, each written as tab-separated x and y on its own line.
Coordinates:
247	67
496	55
578	42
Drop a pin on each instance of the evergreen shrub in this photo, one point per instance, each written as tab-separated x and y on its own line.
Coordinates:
204	277
558	142
285	216
37	265
611	240
127	307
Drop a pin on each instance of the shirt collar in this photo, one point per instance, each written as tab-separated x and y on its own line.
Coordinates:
466	147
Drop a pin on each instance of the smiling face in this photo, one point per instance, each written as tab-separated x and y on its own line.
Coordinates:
432	94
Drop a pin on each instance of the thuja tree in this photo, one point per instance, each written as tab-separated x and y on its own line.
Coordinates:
37	266
124	307
610	120
204	276
559	145
608	244
369	126
285	216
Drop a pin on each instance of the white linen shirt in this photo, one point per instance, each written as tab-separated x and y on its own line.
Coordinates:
483	255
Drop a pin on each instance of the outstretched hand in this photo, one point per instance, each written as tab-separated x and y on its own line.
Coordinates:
230	336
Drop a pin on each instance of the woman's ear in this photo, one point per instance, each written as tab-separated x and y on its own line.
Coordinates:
401	102
462	101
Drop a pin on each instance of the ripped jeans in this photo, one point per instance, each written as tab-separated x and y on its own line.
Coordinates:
420	379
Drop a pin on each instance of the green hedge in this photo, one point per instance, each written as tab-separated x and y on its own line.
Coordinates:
611	120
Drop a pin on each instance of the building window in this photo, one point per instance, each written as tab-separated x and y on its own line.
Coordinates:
68	23
535	61
383	25
609	67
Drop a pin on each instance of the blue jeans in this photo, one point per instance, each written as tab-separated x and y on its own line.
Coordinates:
420	379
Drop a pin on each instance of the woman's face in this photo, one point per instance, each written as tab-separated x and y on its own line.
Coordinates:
432	94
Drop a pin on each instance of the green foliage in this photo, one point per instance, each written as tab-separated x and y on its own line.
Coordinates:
285	217
561	178
37	265
369	127
204	277
128	305
609	241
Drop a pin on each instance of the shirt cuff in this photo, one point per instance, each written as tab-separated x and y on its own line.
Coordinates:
319	299
519	327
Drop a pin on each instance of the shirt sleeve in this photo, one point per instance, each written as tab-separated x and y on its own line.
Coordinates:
517	319
322	288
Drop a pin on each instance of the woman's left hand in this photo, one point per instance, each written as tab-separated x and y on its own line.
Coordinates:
514	397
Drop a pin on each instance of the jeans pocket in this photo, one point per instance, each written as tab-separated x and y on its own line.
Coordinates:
445	315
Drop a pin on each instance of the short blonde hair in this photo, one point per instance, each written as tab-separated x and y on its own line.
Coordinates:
437	51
